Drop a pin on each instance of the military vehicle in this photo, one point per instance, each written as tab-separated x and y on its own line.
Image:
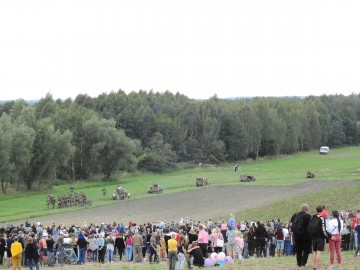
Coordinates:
155	189
121	194
309	174
247	178
202	182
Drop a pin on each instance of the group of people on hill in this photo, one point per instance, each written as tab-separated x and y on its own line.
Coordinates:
186	242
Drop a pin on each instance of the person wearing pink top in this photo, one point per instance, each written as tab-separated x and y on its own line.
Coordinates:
223	228
129	248
214	237
239	245
203	239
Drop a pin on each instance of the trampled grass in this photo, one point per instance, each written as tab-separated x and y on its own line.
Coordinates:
341	164
270	263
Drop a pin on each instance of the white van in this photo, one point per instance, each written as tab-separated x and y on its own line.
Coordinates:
324	150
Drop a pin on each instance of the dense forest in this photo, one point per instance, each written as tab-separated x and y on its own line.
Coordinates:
75	139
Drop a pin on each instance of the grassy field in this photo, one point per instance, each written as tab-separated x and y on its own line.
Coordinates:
278	263
333	198
341	164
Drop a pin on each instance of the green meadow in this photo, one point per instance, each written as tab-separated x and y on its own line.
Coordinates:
341	164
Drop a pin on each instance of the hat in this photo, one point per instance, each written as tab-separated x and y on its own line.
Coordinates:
45	234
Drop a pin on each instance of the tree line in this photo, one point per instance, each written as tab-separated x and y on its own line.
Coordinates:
75	139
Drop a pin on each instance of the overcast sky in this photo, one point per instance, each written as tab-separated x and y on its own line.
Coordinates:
196	47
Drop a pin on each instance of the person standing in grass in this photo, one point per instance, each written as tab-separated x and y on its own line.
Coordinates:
172	251
333	228
357	240
203	239
2	248
32	254
299	224
16	251
137	247
318	234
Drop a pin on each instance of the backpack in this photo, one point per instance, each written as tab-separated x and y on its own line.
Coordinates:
297	226
313	227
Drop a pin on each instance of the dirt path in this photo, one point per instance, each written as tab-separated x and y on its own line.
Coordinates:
199	204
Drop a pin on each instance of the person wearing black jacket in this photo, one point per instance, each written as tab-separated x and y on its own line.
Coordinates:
120	245
318	234
31	254
260	235
301	235
2	248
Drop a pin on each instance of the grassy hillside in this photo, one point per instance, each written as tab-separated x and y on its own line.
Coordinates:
340	164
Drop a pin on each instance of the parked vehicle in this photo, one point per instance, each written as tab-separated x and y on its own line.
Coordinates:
324	150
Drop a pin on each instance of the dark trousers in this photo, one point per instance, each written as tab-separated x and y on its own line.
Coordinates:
153	252
303	249
203	247
260	247
121	252
251	247
101	255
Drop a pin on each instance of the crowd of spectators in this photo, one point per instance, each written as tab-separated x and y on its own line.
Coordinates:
186	242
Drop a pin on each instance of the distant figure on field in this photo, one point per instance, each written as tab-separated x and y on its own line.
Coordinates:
236	167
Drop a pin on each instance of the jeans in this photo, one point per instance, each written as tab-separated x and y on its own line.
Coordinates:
94	255
287	248
246	250
82	253
356	244
129	250
172	260
335	245
152	252
36	264
181	261
109	254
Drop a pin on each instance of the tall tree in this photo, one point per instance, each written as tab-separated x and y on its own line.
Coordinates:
6	167
107	148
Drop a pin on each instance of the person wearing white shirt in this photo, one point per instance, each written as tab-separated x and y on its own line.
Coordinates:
333	228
